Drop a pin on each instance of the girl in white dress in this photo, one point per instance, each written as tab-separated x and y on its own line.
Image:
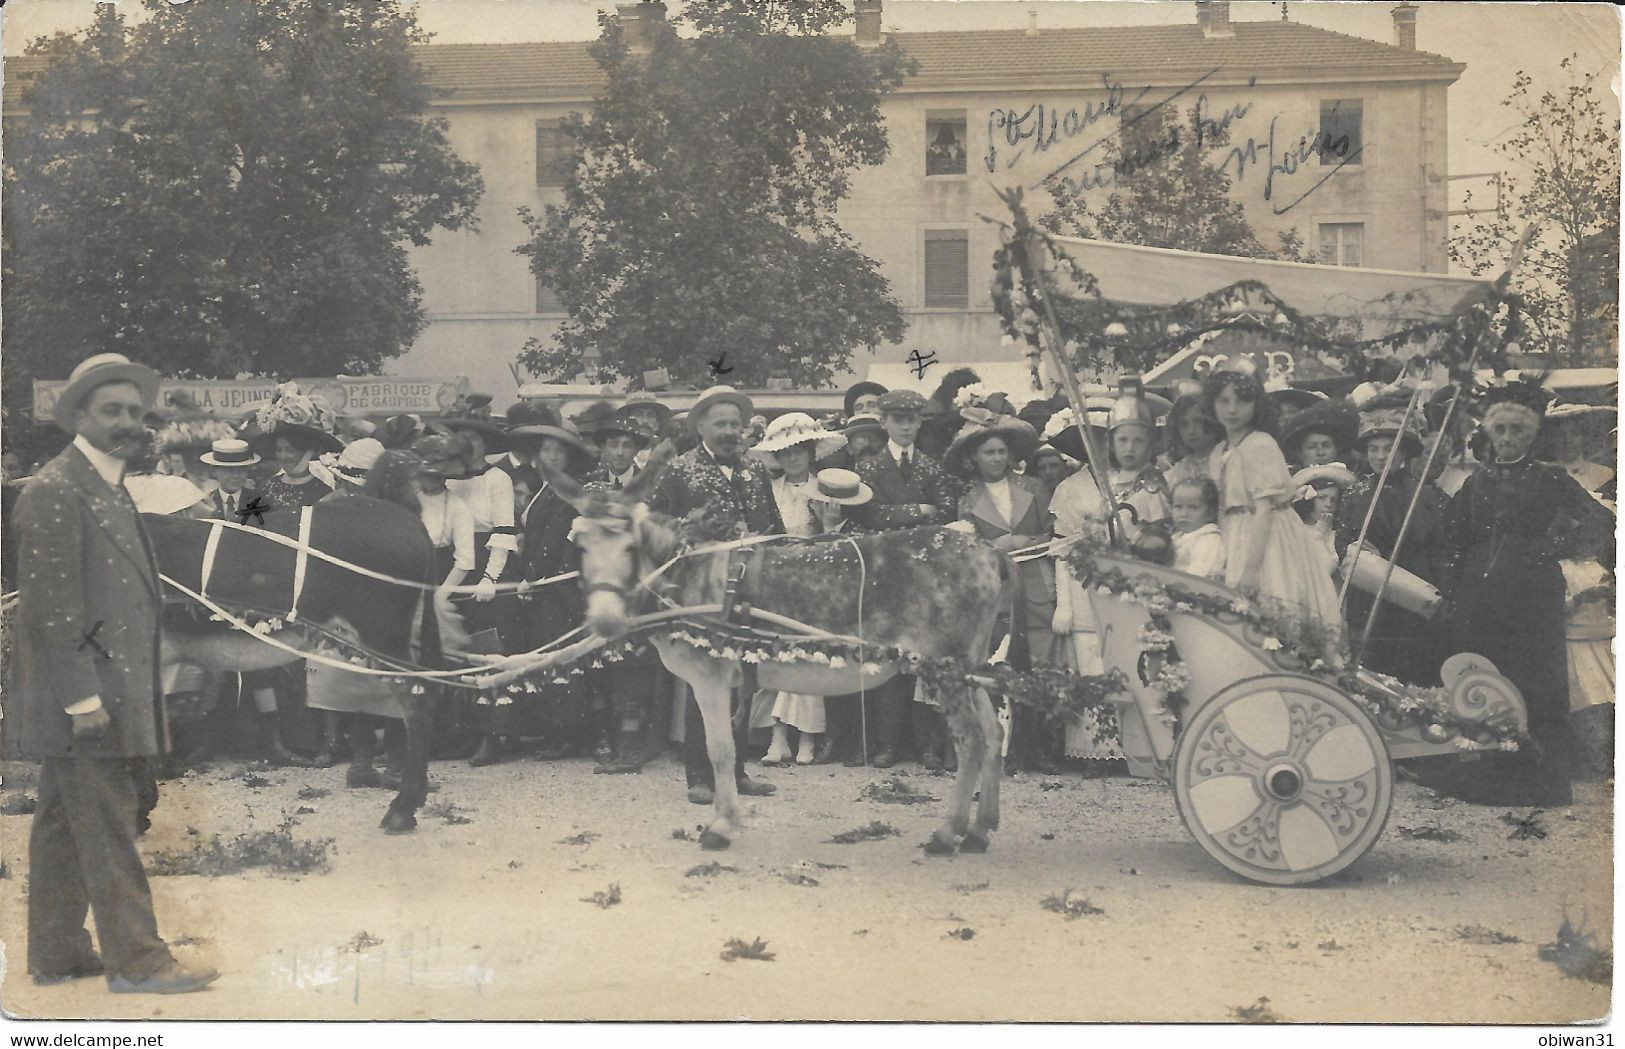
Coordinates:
793	442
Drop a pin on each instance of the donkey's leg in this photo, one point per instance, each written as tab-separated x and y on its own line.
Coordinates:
419	716
967	736
712	694
992	771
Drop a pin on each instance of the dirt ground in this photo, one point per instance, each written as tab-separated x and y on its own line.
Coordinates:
485	914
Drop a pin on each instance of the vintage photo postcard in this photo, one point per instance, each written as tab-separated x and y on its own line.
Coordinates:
809	510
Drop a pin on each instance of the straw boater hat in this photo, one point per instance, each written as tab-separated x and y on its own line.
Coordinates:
795	428
357	458
1335	419
1382	417
99	370
646	399
229	451
842	486
1580	413
719	395
981	424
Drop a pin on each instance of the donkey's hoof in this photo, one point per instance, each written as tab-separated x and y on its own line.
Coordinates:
973	843
711	841
399	823
935	846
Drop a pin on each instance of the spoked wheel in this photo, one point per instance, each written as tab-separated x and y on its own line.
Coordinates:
1283	779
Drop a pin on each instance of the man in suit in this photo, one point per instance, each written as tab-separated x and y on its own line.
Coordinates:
88	682
716	478
910	489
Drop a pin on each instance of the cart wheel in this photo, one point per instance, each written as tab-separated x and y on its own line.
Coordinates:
1283	779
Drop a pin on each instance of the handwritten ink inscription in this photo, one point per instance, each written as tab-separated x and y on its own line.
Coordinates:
1017	133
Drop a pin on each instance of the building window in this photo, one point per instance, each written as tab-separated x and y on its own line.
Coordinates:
547	298
1342	243
1340	140
554	148
947	269
945	139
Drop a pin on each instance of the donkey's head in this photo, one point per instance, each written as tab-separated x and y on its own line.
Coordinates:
618	539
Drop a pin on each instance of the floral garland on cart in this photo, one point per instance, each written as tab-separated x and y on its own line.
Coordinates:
1301	639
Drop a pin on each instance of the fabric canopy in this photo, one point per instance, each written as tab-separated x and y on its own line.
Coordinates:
1129	273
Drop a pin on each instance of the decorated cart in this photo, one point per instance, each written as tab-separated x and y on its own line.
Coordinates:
1278	746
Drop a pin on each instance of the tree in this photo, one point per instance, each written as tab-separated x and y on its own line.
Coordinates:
226	187
698	220
1168	192
1563	156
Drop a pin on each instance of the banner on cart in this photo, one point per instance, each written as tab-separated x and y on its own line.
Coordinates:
349	396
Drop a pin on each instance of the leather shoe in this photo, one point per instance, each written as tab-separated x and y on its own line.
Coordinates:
755	788
171	979
700	795
91	966
884	758
854	762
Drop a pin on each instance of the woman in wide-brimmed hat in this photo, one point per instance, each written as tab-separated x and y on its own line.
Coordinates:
486	490
295	428
1324	433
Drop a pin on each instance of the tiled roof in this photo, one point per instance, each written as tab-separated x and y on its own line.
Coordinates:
1271	49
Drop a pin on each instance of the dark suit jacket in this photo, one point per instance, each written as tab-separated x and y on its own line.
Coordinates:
86	560
694	480
246	497
599	476
896	503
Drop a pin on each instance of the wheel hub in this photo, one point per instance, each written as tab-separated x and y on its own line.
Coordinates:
1283	782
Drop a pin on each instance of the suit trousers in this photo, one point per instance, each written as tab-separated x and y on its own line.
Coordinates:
889	711
696	762
82	855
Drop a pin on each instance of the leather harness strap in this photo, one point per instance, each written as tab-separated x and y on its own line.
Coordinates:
301	559
211	548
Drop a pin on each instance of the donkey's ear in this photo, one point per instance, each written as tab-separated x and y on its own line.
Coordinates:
640	487
569	489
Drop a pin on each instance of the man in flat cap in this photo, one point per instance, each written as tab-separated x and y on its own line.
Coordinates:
92	709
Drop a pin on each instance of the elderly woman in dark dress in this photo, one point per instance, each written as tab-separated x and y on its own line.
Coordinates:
1506	531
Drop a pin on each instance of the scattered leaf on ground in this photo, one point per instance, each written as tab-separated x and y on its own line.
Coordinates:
1257	1013
966	888
894	791
710	870
1072	906
1429	832
1575	951
254	782
1051	785
514	865
1330	945
1529	825
216	857
586	837
312	793
362	941
962	933
304	810
606	898
1047	836
736	949
829	866
682	834
873	832
1482	934
798	878
446	810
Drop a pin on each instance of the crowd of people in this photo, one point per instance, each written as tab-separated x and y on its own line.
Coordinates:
1295	496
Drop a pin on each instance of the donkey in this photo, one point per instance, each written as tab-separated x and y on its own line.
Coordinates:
930	591
252	573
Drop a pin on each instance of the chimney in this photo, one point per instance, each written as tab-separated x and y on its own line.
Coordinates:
1032	21
640	22
1214	18
867	14
1405	26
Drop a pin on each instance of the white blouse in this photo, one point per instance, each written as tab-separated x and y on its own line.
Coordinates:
795	503
1003	500
489	499
449	524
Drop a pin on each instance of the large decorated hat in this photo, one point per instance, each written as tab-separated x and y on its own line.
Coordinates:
531	435
97	371
979	426
601	420
303	417
1385	417
1061	432
473	416
646	399
795	428
192	433
1335	419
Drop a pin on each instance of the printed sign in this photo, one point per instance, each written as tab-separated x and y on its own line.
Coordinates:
381	395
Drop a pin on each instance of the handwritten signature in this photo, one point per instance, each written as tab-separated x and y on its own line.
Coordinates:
1038	129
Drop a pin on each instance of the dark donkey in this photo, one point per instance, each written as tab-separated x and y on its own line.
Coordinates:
930	591
253	573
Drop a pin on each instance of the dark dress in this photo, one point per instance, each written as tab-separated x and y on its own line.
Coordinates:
1505	531
1403	643
545	615
288	680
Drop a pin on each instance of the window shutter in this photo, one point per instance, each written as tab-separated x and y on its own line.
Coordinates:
1340	140
947	269
553	147
547	298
